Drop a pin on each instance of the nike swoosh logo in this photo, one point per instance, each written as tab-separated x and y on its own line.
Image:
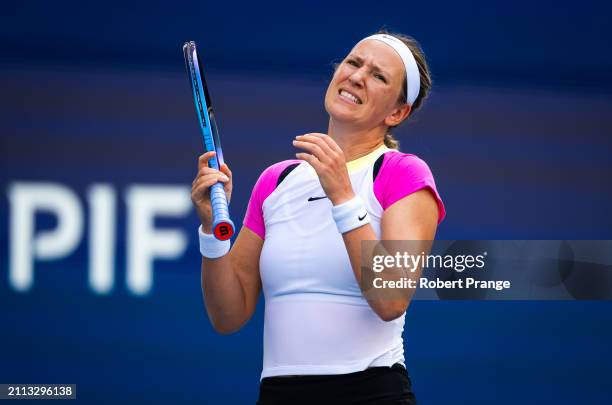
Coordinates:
316	198
361	218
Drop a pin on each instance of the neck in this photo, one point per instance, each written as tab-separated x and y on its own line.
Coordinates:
355	142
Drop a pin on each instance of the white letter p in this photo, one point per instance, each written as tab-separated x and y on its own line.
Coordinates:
25	199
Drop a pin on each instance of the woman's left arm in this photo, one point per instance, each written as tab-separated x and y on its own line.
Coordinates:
414	217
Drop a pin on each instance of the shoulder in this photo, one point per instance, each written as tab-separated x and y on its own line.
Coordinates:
265	185
402	174
396	162
269	178
279	167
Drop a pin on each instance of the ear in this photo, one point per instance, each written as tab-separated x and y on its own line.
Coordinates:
398	115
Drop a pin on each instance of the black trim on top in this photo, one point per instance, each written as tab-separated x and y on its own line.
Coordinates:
286	172
377	166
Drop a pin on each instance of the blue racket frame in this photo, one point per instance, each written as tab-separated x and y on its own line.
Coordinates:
223	227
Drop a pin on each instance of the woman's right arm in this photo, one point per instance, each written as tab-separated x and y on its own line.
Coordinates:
230	284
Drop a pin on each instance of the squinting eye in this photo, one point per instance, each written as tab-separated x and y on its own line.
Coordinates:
352	62
381	77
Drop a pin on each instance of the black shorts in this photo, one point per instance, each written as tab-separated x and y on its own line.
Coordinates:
375	385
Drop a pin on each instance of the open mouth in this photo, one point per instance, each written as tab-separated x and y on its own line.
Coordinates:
349	96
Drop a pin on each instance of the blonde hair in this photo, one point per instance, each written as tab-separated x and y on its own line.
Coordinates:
391	142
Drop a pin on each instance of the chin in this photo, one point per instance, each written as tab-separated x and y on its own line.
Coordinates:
339	111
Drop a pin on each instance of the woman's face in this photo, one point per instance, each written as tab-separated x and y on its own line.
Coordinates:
366	86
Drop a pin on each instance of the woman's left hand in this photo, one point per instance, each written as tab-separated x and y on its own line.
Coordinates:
328	160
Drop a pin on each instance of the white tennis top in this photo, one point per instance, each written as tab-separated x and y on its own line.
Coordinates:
316	319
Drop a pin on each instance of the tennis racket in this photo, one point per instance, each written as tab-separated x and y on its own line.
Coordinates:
223	227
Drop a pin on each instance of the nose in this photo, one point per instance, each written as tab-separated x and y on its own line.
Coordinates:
358	76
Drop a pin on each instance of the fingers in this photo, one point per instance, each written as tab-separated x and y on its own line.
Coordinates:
208	180
204	158
204	169
227	186
330	142
322	147
200	187
314	162
203	165
211	173
311	148
316	145
202	183
226	170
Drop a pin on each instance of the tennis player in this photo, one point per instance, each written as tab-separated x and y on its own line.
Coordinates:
324	342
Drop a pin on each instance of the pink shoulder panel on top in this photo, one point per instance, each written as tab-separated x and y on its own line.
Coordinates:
402	174
264	186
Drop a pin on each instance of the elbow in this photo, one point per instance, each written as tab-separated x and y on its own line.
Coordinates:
225	328
389	316
391	311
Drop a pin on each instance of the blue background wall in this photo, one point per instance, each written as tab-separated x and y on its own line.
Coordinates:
517	132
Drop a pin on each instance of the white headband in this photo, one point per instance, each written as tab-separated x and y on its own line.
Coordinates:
412	71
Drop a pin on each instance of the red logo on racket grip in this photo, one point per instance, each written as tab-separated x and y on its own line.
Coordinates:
223	231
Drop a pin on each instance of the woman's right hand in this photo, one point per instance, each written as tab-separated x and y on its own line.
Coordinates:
200	188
